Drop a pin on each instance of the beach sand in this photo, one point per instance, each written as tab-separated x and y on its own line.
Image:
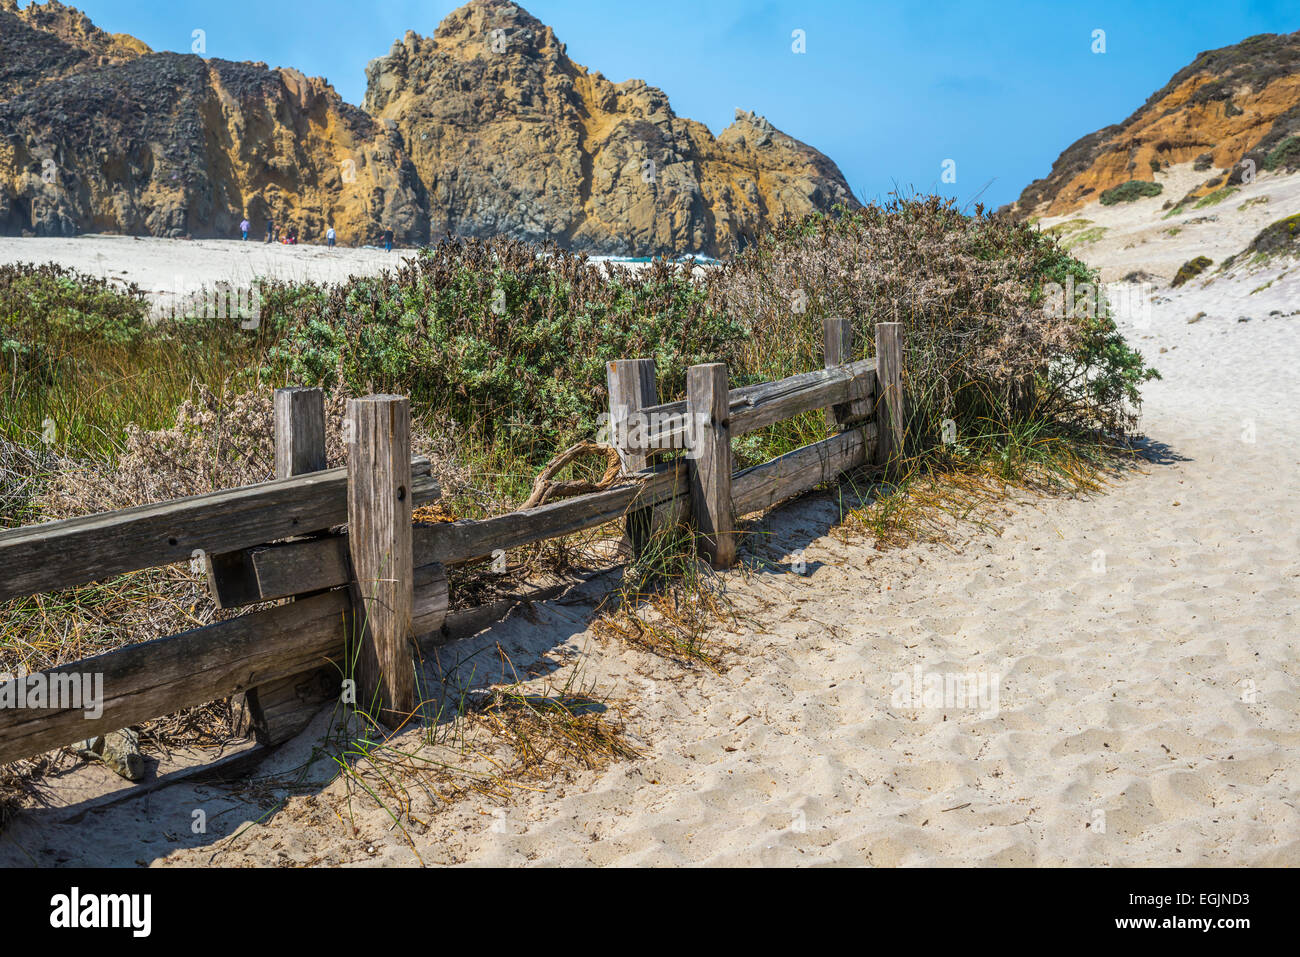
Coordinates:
170	269
1143	641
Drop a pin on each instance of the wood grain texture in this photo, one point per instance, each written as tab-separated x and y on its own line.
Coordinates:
710	462
632	387
763	486
166	675
453	542
299	431
758	406
838	348
891	412
279	710
379	541
432	601
56	555
285	569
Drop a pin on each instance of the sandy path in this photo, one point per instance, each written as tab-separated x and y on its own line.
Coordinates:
1121	691
1147	707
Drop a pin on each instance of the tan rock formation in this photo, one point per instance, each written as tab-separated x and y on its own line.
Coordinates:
1231	105
487	127
98	134
511	136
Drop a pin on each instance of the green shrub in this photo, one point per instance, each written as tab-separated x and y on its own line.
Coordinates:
1281	236
41	305
1134	189
982	348
1286	153
500	333
1191	269
1218	196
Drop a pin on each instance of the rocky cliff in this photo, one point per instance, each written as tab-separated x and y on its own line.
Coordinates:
1231	113
97	133
511	136
487	127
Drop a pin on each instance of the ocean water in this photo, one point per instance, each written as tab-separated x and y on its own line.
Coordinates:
698	260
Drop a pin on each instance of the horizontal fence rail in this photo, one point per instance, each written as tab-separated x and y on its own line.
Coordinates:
271	542
75	551
206	664
756	407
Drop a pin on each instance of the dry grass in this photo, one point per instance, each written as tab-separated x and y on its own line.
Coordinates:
980	351
490	742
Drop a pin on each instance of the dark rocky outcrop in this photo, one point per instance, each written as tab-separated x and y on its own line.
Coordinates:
485	128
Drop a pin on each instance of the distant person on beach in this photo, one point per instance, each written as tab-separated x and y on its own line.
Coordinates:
244	227
388	240
291	235
330	237
270	230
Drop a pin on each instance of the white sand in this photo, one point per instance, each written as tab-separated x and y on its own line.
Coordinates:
169	269
1144	643
1139	237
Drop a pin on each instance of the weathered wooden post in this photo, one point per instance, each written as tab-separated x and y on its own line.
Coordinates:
299	431
891	412
838	350
632	388
379	538
709	422
279	710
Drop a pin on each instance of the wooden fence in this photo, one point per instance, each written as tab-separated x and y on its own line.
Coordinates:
366	600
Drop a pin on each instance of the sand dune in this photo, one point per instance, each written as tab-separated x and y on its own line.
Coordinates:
1141	644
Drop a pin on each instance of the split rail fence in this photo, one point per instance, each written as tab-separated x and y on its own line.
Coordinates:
367	599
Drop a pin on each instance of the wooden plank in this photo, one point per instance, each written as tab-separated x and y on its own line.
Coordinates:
294	567
432	600
891	445
299	431
632	387
758	406
379	541
232	582
710	462
838	347
56	555
763	486
453	542
166	675
279	710
270	572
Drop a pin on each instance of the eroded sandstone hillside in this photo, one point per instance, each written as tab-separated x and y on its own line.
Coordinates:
510	135
1231	113
99	134
487	127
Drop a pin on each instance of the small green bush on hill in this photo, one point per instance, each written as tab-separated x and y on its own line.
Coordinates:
1191	269
1134	189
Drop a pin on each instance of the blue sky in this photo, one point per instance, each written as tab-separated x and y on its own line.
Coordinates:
888	90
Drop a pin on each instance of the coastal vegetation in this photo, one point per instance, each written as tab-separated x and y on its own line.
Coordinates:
502	345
